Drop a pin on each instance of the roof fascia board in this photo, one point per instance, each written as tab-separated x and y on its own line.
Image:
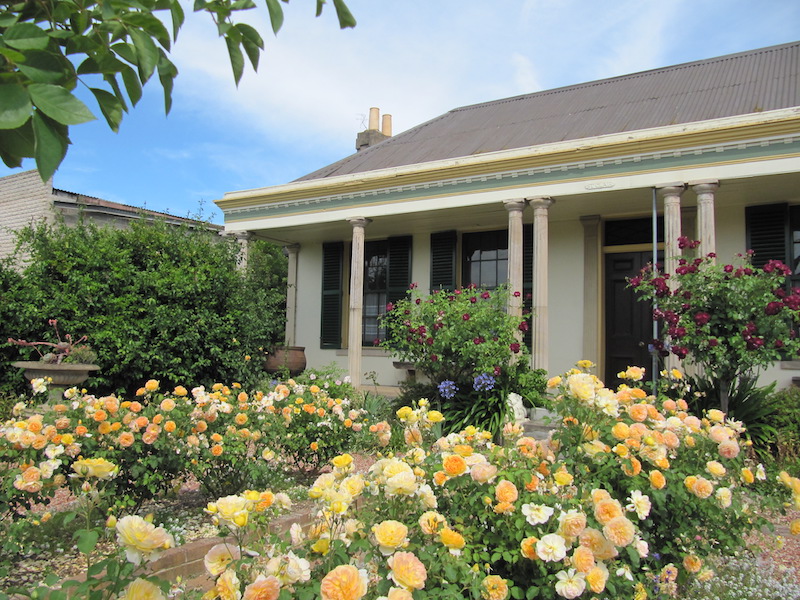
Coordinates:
750	126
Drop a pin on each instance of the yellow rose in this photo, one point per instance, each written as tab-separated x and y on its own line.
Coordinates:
404	412
151	385
390	535
494	587
342	461
141	589
95	467
142	540
434	416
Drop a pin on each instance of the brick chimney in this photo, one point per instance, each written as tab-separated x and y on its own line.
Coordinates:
373	135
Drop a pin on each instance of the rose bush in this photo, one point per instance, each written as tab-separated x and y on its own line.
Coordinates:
471	350
627	499
731	320
226	438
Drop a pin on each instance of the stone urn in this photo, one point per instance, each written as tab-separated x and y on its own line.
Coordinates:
286	358
62	375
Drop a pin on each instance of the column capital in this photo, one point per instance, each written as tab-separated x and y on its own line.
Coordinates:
244	236
538	202
292	248
590	221
515	205
704	186
359	221
671	190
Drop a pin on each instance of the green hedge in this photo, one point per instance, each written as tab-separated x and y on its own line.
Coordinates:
156	301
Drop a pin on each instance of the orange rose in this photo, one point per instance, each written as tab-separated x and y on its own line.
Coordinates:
216	449
506	491
80	430
454	465
125	439
100	416
169	426
657	480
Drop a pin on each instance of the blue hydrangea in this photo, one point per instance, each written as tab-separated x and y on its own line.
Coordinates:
448	389
483	382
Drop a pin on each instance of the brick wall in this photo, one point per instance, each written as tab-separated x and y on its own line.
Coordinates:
24	198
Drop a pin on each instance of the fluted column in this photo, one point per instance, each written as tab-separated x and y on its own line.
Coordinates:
671	194
355	326
705	214
592	255
515	256
291	295
539	351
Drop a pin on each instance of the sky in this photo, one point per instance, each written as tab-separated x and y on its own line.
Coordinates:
413	59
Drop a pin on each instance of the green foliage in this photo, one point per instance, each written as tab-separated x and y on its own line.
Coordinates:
731	320
747	402
113	49
467	344
785	419
156	301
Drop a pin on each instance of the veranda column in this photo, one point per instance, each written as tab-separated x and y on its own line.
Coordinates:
355	325
705	214
291	295
671	195
515	208
541	206
592	255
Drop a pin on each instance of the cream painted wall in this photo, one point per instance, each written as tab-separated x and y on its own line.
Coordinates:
565	297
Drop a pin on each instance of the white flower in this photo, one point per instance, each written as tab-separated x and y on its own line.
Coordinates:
625	571
537	514
761	475
639	503
724	497
551	548
53	450
641	547
39	385
571	584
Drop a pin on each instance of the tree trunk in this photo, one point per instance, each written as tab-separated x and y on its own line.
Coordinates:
724	391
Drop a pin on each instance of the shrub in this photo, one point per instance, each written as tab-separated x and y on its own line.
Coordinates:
468	346
785	419
154	300
731	320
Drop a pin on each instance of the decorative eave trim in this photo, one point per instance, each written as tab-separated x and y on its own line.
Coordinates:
756	126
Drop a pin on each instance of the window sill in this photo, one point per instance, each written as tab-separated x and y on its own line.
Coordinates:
790	365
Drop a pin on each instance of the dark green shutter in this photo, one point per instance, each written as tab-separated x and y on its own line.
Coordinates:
399	276
527	277
443	260
331	314
768	233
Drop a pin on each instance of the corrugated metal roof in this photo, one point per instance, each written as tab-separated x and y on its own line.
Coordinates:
735	84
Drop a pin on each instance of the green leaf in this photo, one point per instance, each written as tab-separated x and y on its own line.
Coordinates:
166	74
178	18
346	18
59	104
110	106
146	53
275	15
7	19
16	144
12	55
237	59
150	25
111	79
26	36
50	146
132	85
16	104
252	42
87	540
46	67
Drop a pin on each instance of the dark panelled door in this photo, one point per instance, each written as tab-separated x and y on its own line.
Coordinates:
629	322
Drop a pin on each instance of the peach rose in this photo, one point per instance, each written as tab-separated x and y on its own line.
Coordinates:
506	491
345	582
390	535
407	571
619	531
263	588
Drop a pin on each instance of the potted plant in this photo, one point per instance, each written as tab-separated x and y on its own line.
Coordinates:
66	362
286	358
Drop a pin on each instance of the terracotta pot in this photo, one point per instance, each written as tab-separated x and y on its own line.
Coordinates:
282	358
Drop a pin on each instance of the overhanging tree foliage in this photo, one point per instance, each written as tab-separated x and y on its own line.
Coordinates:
113	47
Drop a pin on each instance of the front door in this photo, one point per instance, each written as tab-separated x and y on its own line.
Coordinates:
629	322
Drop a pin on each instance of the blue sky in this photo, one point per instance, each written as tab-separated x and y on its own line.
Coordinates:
414	59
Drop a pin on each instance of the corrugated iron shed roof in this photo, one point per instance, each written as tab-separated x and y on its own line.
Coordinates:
735	84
